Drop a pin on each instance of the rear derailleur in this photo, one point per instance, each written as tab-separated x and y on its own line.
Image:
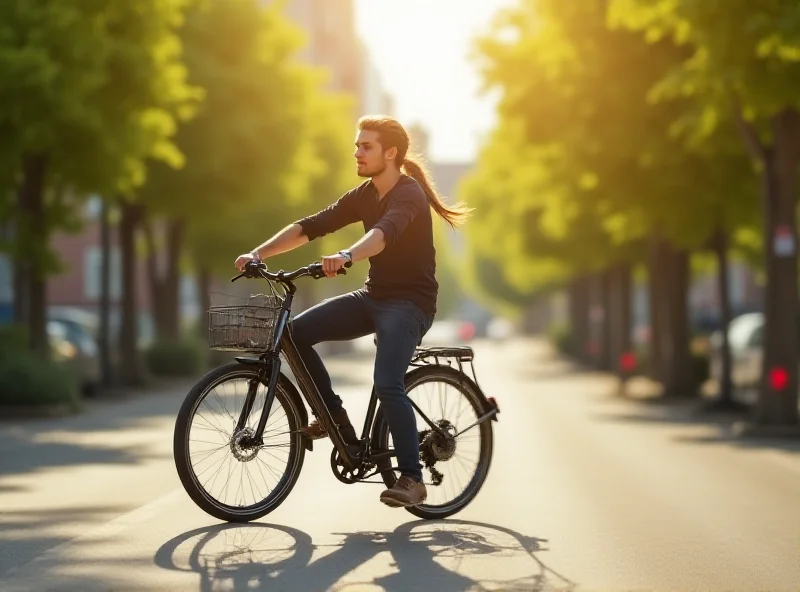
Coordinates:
437	446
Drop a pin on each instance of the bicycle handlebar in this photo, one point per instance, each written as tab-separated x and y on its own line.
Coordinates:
259	269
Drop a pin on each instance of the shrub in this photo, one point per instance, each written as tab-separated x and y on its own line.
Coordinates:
28	379
176	358
700	362
560	335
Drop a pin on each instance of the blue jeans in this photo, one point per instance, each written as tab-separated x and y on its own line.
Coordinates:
400	326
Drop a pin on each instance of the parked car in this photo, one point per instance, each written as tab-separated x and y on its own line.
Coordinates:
73	339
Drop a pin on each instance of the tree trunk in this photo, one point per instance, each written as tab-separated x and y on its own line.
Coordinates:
32	243
130	368
725	314
679	378
656	297
777	403
21	291
604	287
619	316
579	317
165	287
104	339
204	293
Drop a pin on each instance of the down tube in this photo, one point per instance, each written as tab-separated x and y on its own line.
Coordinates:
311	393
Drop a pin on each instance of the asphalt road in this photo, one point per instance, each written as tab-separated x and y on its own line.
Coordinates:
586	492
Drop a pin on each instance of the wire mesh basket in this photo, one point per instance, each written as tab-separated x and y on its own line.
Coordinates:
246	327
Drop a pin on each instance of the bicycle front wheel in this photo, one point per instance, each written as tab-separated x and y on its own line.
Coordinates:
454	469
224	474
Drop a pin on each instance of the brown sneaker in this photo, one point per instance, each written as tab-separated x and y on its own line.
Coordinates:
406	492
316	430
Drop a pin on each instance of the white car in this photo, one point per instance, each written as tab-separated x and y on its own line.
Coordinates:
746	337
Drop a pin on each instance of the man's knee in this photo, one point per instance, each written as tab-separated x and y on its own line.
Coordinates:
389	388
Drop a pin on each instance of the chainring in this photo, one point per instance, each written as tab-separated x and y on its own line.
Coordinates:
346	475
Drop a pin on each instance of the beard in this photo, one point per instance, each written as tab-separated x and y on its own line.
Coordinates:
371	172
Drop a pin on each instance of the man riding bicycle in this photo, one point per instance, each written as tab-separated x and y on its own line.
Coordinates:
398	300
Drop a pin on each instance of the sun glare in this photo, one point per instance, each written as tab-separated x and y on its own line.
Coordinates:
421	49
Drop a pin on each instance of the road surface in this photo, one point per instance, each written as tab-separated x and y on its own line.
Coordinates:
586	492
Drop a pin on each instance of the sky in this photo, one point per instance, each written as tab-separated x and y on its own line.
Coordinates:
420	48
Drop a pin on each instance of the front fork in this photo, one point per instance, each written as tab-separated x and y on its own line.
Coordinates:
271	368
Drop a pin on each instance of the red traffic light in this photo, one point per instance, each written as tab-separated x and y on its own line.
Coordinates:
778	378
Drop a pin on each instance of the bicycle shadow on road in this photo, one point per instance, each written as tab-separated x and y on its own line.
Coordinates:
435	555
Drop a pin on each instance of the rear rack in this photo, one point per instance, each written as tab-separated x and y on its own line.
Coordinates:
444	355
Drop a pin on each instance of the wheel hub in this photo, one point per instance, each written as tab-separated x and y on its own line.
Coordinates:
242	445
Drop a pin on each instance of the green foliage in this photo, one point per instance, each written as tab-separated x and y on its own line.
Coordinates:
94	89
744	55
185	358
560	336
266	146
584	166
28	379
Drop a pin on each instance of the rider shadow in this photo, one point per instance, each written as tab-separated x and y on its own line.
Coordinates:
432	555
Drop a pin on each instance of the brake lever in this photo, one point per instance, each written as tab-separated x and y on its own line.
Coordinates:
250	270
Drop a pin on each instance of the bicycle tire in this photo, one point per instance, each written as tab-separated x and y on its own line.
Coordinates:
380	439
183	465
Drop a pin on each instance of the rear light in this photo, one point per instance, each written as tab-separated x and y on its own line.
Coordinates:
493	403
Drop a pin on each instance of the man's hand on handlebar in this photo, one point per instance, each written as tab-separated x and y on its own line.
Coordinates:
243	260
332	264
252	268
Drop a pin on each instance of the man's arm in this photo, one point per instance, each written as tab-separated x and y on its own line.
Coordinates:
287	239
336	216
401	213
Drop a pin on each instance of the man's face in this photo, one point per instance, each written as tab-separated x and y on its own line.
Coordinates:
370	157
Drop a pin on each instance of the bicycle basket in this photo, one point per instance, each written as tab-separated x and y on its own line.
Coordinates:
249	327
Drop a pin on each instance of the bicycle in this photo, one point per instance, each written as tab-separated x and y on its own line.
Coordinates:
266	329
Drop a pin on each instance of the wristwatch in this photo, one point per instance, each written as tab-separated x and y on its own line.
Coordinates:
347	255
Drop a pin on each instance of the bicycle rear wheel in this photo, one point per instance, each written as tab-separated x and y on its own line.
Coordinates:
454	471
227	478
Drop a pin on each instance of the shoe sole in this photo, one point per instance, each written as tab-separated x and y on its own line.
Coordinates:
393	503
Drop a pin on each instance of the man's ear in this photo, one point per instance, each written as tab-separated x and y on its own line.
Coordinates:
390	154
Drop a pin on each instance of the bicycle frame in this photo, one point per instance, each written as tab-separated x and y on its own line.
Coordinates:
352	456
270	366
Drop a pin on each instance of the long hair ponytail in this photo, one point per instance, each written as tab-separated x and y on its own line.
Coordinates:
393	135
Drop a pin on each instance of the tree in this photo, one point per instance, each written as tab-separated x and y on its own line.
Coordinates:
602	170
250	152
88	91
742	64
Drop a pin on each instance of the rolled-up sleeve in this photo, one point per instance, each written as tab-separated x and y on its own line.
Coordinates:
402	210
336	216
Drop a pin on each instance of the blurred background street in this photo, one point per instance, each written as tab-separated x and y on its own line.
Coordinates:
628	279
